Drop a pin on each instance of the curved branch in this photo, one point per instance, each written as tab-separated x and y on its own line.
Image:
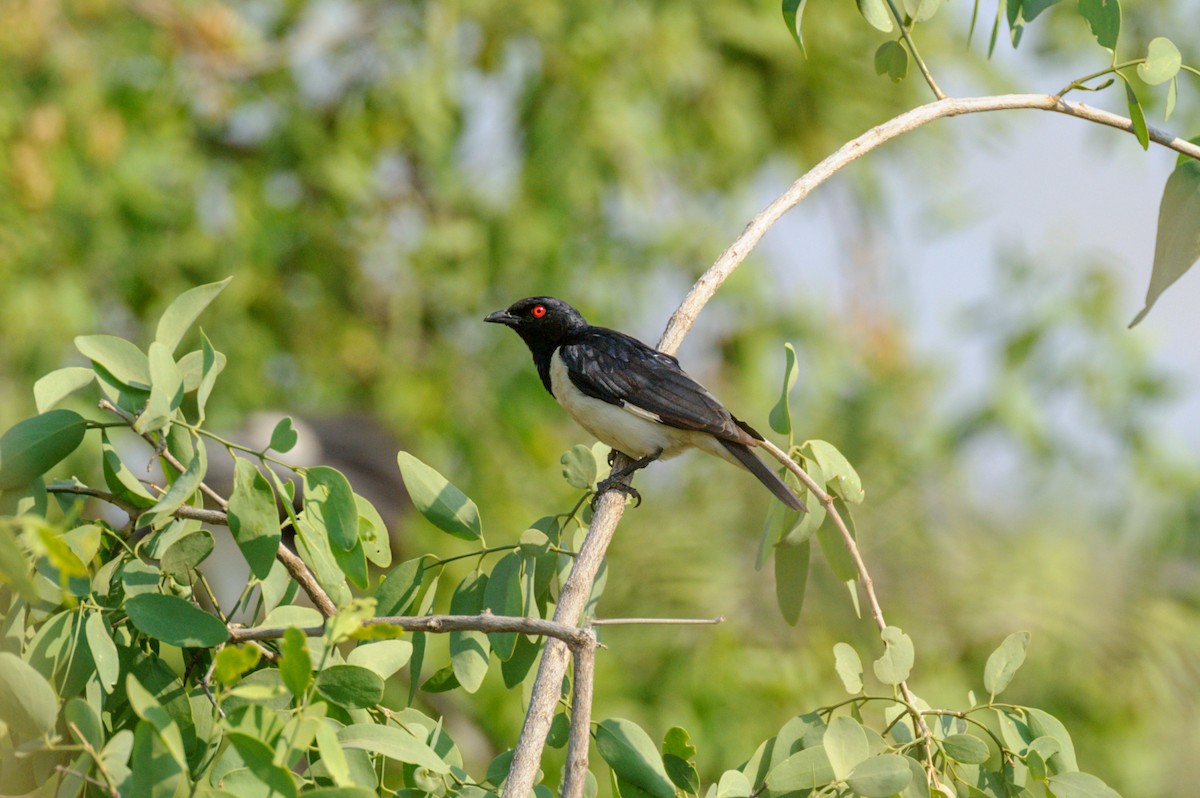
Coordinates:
528	753
704	288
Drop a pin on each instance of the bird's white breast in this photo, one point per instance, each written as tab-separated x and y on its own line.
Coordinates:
627	428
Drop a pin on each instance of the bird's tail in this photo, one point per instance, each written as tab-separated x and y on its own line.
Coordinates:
765	475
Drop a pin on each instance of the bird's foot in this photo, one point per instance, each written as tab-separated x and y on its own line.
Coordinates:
604	486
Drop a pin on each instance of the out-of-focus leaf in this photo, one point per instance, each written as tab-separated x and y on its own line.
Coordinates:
897	660
28	704
849	667
233	661
260	759
579	467
845	744
1177	245
1080	785
780	418
1162	62
791	578
444	505
806	769
880	776
891	59
1137	116
59	384
877	14
793	17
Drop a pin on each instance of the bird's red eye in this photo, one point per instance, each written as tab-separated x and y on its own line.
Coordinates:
538	311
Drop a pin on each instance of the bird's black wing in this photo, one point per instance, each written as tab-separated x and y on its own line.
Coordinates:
621	370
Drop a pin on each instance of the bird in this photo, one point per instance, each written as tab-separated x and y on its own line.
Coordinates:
631	396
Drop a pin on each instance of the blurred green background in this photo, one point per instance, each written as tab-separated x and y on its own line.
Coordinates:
378	176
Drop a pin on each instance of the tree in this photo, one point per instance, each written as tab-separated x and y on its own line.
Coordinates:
123	661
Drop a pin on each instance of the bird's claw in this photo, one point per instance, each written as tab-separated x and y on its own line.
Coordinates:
615	484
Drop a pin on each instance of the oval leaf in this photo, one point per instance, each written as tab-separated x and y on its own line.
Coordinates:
28	704
175	621
123	361
849	667
58	385
804	770
329	489
350	686
1002	665
880	776
1162	62
877	14
965	748
34	446
469	650
183	311
393	743
845	744
444	505
1080	785
1104	18
253	517
631	754
791	578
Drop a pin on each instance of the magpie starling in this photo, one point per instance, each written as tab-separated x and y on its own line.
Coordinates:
629	395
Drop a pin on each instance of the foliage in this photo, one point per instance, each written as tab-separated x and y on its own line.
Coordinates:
124	675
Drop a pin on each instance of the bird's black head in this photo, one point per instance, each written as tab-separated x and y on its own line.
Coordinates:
541	321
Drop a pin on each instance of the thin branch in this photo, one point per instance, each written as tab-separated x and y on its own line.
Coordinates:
214	517
580	735
912	48
440	624
655	621
683	318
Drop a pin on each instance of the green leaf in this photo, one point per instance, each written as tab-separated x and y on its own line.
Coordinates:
877	14
120	480
253	517
28	704
350	686
579	467
880	776
1030	9
212	364
393	743
127	364
840	477
781	414
175	621
469	650
1043	724
793	17
1172	95
922	10
791	578
677	755
373	533
14	566
104	651
181	489
182	557
1177	245
33	446
88	727
965	748
891	59
1137	116
183	312
897	660
631	754
283	437
442	504
1079	785
845	744
155	771
384	658
503	597
516	668
328	488
733	784
295	664
1162	62
232	662
1002	665
259	758
59	384
804	770
849	667
166	391
1104	18
400	587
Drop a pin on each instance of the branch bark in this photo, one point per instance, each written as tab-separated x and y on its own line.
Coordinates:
440	624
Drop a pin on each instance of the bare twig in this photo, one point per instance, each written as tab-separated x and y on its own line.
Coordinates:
580	736
571	634
656	621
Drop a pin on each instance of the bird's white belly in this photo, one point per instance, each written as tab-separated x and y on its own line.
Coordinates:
630	431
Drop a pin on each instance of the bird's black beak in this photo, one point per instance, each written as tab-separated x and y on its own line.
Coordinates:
501	317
